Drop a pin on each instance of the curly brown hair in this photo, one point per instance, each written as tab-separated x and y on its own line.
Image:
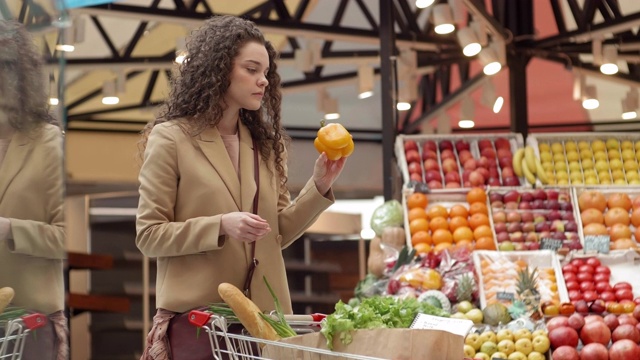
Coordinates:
197	91
21	79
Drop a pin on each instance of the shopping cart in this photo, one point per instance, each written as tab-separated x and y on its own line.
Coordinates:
13	334
226	345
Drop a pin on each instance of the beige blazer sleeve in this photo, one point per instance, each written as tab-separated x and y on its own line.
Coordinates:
44	239
159	234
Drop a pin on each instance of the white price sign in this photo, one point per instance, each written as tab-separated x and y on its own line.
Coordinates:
455	326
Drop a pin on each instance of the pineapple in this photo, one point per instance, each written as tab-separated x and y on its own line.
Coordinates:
464	291
528	292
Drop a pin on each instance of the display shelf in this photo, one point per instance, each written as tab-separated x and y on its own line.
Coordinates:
425	158
591	159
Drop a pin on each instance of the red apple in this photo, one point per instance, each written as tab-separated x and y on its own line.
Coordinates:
445	145
611	320
556	322
484	144
636	312
507	172
626	331
414	167
410	145
489	154
429	145
470	164
594	351
476	179
452	177
576	321
432	175
447	154
565	353
434	184
431	164
502	143
624	350
595	332
464	156
429	154
449	165
452	185
415	177
627	319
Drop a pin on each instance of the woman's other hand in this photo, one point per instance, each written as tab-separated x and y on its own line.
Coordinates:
244	226
326	172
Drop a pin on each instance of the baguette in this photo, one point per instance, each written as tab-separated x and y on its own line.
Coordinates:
6	295
247	312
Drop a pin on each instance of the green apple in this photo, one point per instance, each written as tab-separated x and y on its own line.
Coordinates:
534	355
458	315
598	145
539	332
469	351
506	346
612	144
524	345
522	334
499	355
541	343
557	148
488	336
544	147
482	356
628	154
630	165
587	164
504	334
464	306
613	154
626	145
615	164
570	146
475	315
517	356
473	340
506	246
489	347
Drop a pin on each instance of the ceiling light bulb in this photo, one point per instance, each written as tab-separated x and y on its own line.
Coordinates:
466	124
490	61
65	48
630	115
590	104
609	69
109	96
421	4
443	19
468	39
365	82
403	106
364	95
492	68
609	64
54	101
331	116
589	98
497	106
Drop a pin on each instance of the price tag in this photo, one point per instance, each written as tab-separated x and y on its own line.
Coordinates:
550	244
429	322
501	295
599	243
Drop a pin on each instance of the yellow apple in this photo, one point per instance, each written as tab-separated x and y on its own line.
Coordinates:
473	340
582	144
538	333
638	155
570	146
613	144
534	355
488	336
482	356
637	146
560	166
617	174
562	175
559	157
615	164
524	345
602	165
544	147
489	348
517	356
506	346
598	145
600	155
522	334
591	180
557	148
541	343
577	181
563	182
630	165
632	175
572	156
547	165
628	154
469	351
474	315
574	166
634	182
587	164
613	154
620	182
546	156
575	176
626	144
499	355
504	334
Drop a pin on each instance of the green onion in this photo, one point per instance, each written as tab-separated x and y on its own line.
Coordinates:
282	328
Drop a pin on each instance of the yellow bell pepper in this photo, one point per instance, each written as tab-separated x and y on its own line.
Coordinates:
334	140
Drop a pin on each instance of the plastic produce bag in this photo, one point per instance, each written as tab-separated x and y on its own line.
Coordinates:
388	214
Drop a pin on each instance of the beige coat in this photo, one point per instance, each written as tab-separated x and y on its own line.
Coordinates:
186	184
31	196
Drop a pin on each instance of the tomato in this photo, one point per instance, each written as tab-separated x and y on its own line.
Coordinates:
587	286
569	269
603	269
577	262
593	262
603	286
601	277
586	269
570	276
567	308
589	295
575	295
573	285
637	300
622	285
608	296
584	276
624	294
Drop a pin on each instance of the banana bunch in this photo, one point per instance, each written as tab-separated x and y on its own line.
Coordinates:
526	164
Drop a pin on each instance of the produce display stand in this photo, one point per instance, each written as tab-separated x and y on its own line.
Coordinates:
515	140
13	334
225	345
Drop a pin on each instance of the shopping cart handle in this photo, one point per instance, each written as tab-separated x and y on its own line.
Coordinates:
34	321
199	318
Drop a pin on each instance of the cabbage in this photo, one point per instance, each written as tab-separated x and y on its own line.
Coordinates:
388	214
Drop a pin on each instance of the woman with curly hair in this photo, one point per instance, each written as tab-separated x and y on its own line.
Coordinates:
214	206
32	235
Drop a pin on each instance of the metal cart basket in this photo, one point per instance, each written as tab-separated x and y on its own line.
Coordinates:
13	334
225	345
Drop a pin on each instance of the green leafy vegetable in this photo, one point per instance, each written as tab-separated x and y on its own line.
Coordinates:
374	313
388	214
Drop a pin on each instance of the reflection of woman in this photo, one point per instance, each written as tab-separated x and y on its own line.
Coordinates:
198	182
31	193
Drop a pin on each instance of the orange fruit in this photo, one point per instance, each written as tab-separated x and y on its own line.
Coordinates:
418	225
635	217
619	231
442	236
464	244
476	195
462	233
478	208
617	216
437	211
482	231
416	200
442	246
485	243
421	237
422	248
478	219
456	222
438	223
458	210
417	213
